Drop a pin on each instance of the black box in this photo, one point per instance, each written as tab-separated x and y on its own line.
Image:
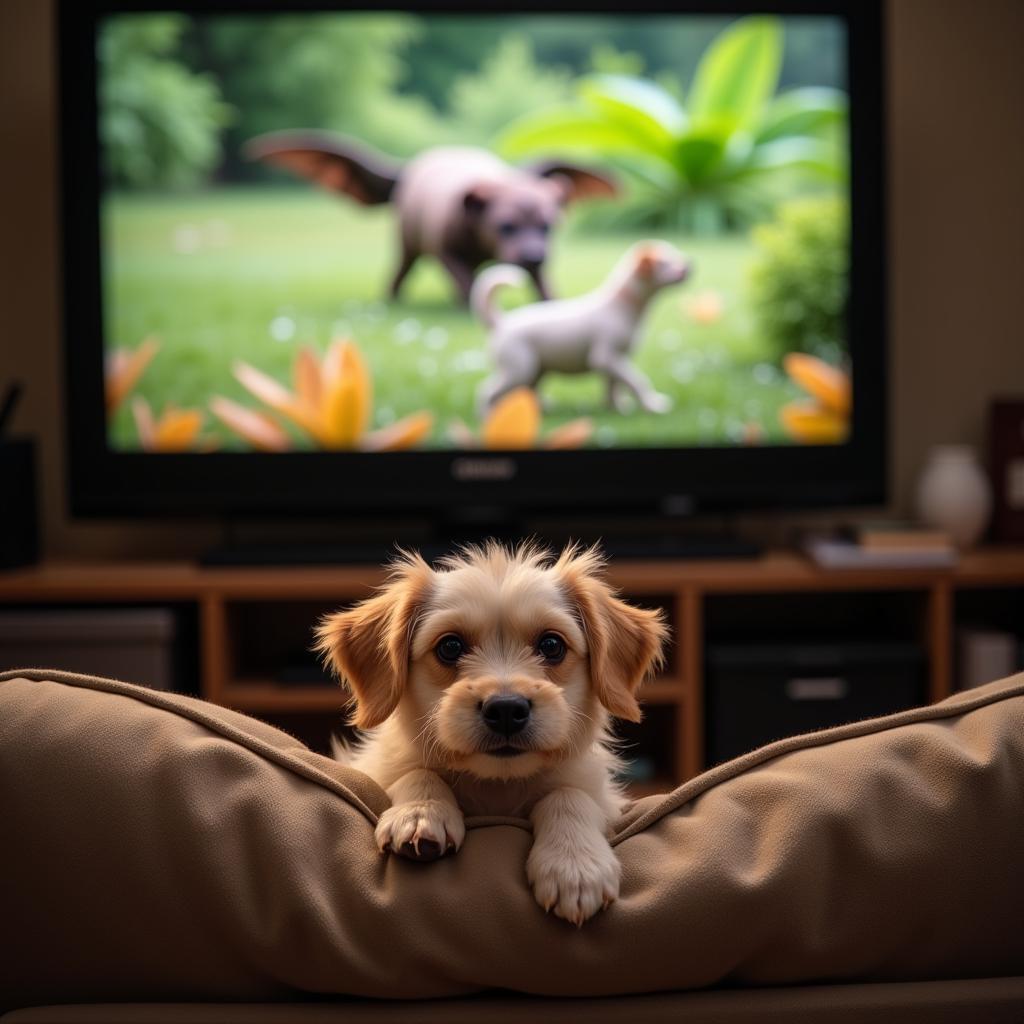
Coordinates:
760	693
19	542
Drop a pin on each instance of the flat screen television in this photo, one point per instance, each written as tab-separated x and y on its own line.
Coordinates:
274	215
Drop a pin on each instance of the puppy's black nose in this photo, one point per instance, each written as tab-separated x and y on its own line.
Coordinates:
506	715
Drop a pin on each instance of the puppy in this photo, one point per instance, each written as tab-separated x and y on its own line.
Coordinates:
462	205
486	686
596	332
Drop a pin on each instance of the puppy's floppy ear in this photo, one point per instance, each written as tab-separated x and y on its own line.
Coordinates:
333	161
578	182
561	187
625	642
646	259
368	645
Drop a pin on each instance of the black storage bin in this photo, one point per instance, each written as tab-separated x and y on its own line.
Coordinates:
760	693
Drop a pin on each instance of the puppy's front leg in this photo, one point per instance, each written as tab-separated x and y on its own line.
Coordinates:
620	371
571	868
649	399
424	821
615	395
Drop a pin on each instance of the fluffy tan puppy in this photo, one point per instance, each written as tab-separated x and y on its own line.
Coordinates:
486	687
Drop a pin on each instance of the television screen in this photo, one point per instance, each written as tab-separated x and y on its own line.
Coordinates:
415	230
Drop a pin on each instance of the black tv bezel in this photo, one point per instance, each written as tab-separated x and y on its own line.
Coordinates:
104	482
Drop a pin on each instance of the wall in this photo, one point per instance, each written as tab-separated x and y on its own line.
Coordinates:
956	92
957	219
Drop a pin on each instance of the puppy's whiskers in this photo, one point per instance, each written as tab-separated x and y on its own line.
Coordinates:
433	751
427	721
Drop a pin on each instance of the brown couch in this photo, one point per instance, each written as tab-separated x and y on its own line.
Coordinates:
193	864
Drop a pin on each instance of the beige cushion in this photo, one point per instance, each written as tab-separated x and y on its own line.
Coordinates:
987	1000
159	848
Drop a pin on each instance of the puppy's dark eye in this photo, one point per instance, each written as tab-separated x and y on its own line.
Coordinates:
449	649
551	647
507	229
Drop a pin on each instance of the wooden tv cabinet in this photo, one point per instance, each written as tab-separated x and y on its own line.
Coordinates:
251	620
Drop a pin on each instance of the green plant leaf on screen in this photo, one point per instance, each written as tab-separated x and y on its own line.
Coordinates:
738	72
647	134
719	161
699	154
568	129
811	155
660	175
738	152
643	102
801	112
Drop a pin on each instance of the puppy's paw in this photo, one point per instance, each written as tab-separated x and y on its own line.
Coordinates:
424	830
657	402
577	882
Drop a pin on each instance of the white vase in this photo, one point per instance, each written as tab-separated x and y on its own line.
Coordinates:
953	493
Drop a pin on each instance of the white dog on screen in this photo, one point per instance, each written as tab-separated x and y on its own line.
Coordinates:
594	333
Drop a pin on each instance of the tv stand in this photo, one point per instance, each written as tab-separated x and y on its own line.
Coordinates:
668	548
283	554
672	547
631	541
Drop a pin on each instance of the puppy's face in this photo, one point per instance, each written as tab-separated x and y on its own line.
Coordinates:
498	664
659	264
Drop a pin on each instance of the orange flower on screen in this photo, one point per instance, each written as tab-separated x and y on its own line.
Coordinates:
514	423
705	308
331	401
123	369
824	418
175	430
259	428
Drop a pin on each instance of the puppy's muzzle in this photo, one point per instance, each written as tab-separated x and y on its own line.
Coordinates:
506	715
681	272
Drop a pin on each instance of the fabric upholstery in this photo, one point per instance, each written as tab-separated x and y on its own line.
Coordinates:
980	1001
159	848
